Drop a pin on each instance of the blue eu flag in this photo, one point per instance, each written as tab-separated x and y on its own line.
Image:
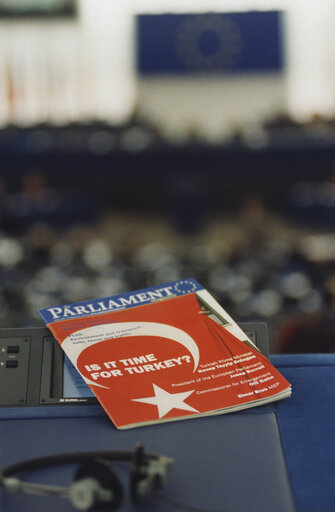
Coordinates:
239	42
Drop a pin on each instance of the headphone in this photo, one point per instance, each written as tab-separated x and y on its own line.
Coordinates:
96	486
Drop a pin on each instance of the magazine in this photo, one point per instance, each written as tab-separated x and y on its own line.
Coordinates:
165	353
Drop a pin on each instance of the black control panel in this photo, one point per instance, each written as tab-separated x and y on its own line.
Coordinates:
33	371
14	370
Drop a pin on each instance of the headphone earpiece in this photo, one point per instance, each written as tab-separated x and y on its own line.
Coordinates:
147	474
96	487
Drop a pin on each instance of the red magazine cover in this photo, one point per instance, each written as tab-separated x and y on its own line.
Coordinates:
167	360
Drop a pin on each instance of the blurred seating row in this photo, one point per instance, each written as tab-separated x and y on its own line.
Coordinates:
255	274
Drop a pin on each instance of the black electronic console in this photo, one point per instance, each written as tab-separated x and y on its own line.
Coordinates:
37	380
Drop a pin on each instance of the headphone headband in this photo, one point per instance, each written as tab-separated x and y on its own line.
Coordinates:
96	477
65	459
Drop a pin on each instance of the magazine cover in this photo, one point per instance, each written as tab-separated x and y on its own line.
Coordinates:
164	353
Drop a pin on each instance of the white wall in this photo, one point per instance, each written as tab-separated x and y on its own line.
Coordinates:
65	71
68	70
211	107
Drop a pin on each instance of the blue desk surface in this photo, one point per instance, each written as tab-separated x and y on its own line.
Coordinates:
307	429
277	458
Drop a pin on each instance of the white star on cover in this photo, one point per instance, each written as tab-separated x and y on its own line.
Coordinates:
166	401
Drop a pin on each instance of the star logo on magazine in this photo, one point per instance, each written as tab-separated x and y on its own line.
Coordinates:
166	401
185	286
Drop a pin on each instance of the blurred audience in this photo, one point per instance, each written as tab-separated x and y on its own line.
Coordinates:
256	264
60	244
